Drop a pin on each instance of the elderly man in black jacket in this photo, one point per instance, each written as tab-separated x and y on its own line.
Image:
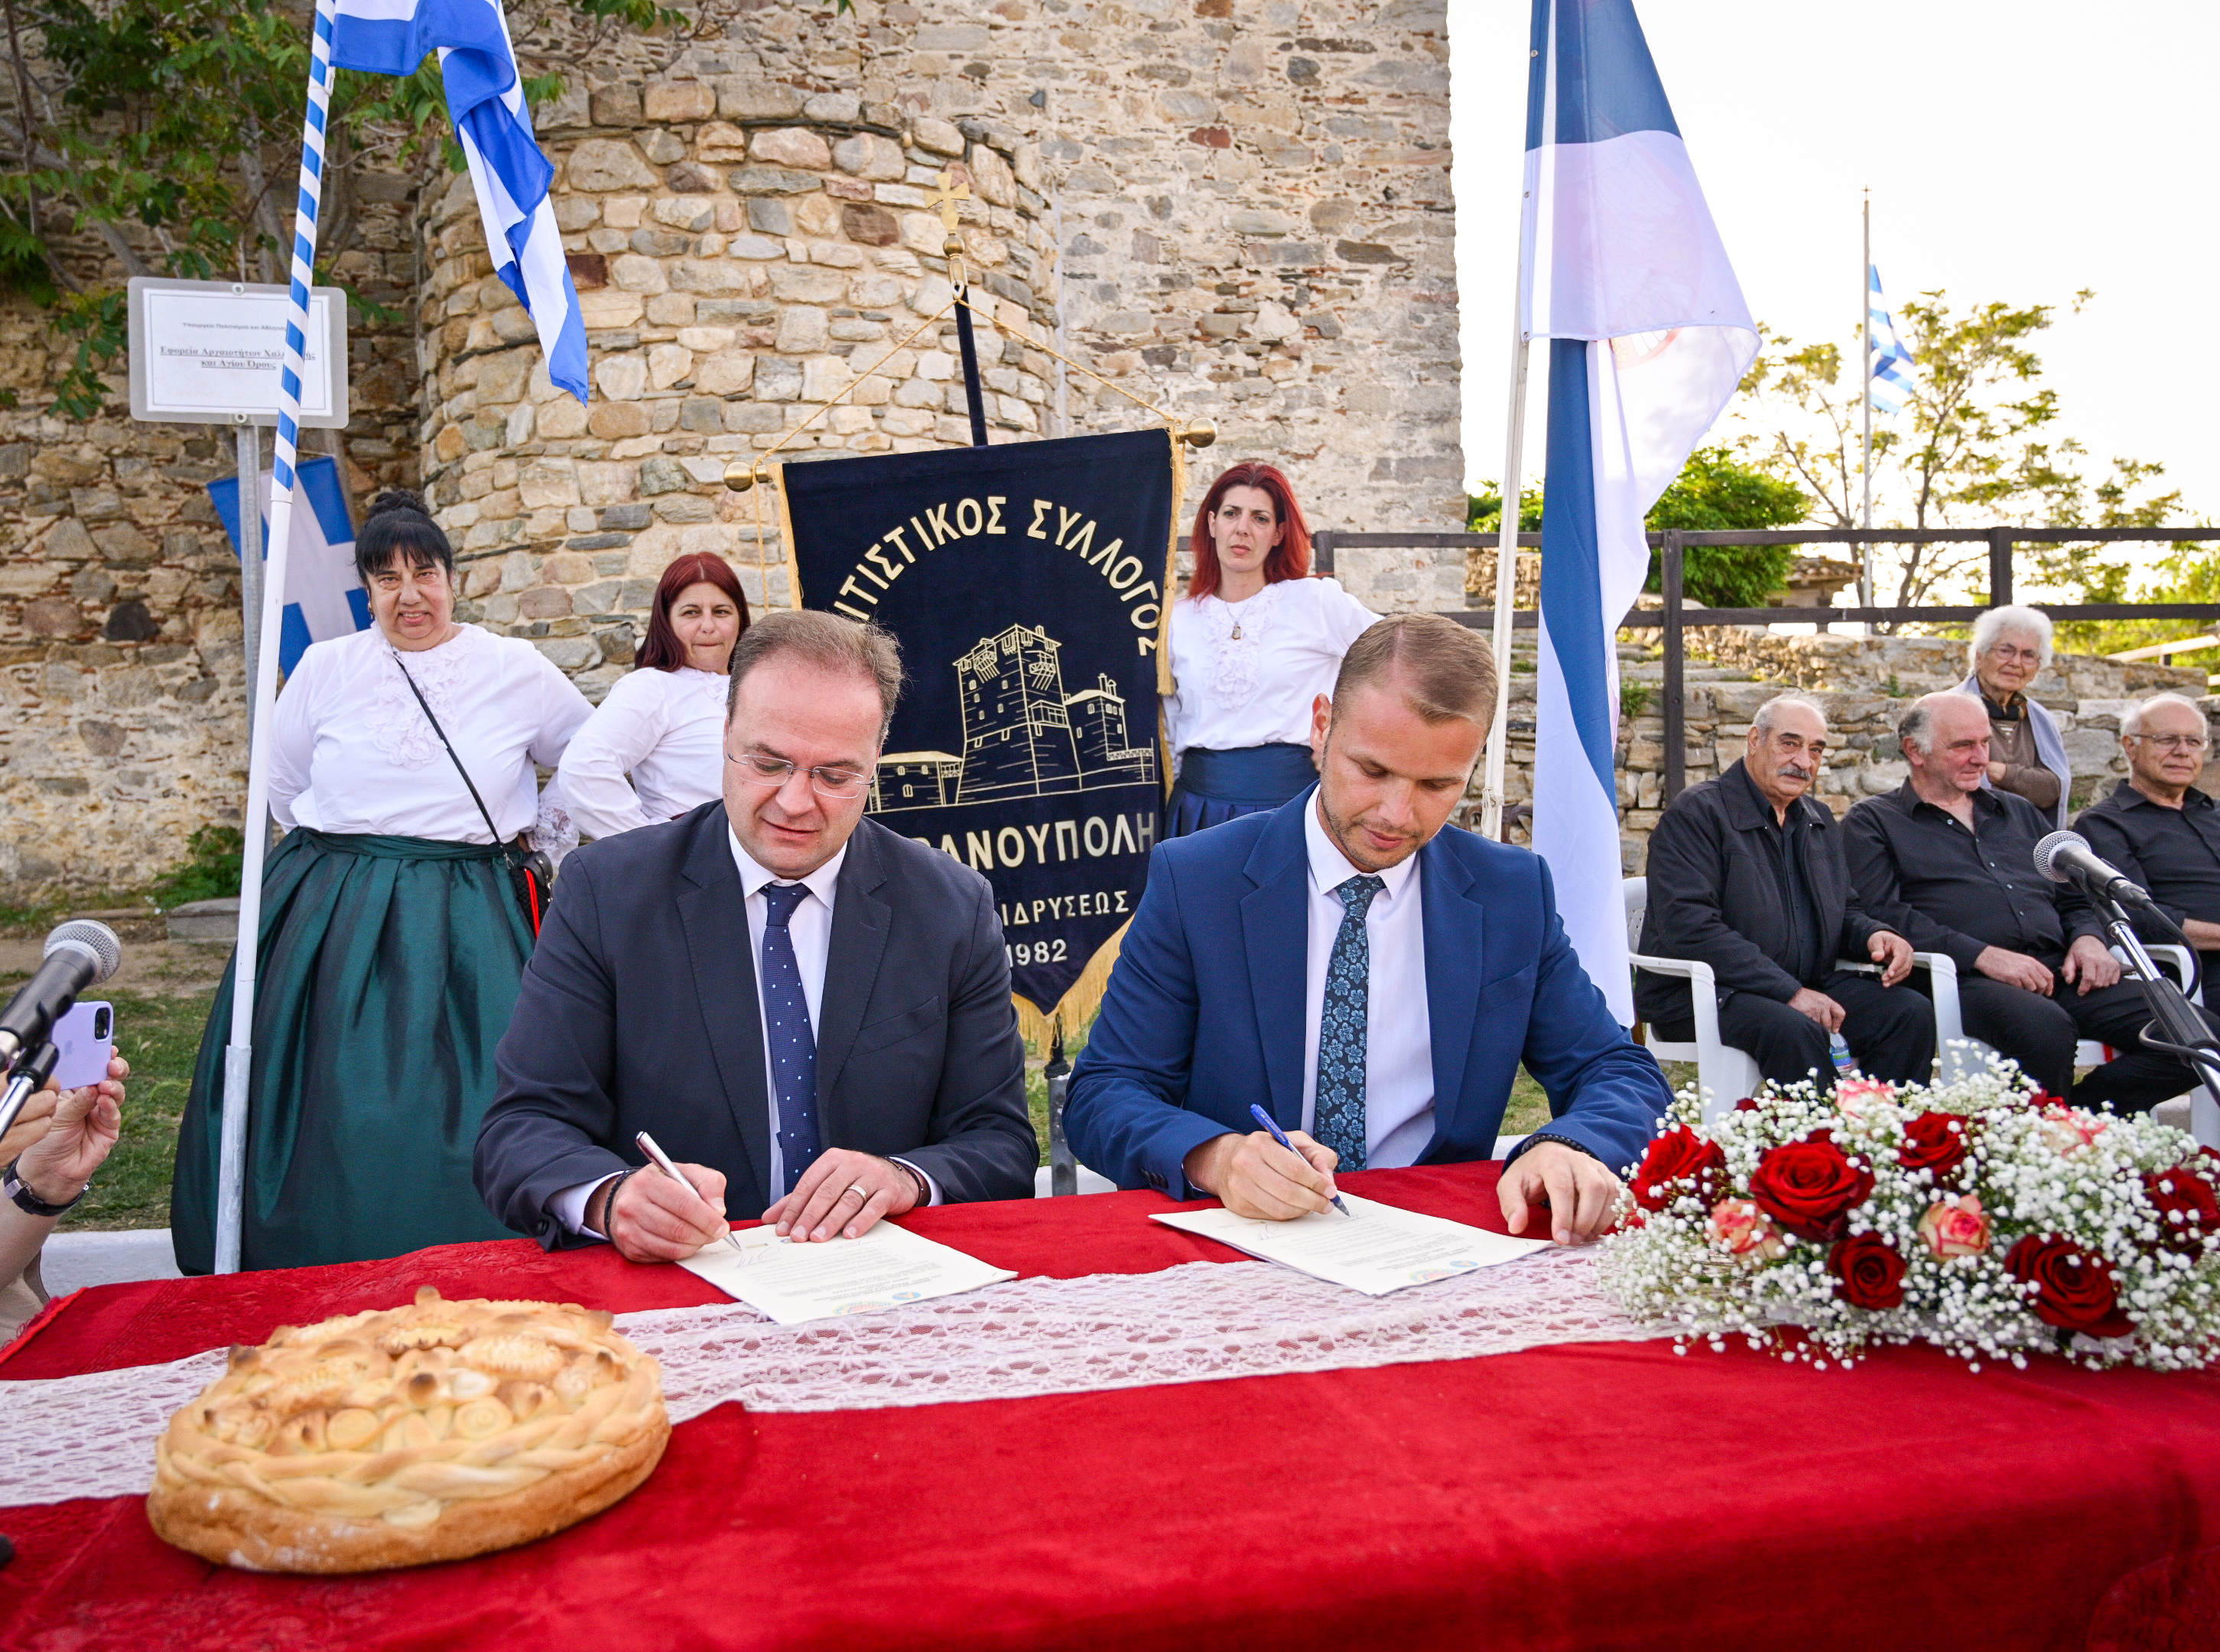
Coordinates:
1748	875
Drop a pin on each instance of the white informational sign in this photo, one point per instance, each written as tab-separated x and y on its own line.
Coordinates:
207	351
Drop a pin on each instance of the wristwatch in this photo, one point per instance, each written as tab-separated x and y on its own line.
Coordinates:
28	1202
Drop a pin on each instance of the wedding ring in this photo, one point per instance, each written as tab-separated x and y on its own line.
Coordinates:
863	1194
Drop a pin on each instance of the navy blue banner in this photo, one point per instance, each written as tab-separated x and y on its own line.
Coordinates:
1026	585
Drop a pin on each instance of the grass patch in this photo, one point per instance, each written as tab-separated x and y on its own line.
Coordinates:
159	1037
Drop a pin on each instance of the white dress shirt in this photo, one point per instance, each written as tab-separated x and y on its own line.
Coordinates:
1257	688
665	730
1398	1048
810	928
351	752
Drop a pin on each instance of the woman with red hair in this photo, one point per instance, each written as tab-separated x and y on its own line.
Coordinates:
662	725
1255	641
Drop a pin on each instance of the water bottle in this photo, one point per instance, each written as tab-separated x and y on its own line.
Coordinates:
1846	1065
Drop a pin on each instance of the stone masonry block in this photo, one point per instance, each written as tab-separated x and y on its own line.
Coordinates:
603	164
741	98
680	100
865	154
794	146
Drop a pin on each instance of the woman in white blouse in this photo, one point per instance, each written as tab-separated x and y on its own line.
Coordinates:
653	750
1254	643
393	933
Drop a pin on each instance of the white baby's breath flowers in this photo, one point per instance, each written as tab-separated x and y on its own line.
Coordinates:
1712	1261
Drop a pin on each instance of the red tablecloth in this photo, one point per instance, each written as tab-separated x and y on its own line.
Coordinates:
1586	1496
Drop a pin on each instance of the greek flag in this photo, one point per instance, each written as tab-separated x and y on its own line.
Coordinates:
1890	365
1649	333
323	596
486	101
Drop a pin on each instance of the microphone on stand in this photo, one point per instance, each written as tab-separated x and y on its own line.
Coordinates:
79	954
2065	855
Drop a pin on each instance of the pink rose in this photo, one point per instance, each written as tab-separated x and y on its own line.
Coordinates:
2068	1130
1738	1227
1955	1227
1856	1097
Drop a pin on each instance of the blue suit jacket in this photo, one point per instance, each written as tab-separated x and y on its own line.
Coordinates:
1204	1014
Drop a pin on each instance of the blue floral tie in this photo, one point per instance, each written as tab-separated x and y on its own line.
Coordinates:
1337	1119
793	1044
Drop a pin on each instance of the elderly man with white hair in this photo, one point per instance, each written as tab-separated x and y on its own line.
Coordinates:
1747	874
2157	827
2027	753
1949	864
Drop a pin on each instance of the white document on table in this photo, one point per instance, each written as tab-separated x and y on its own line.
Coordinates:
1375	1249
887	1267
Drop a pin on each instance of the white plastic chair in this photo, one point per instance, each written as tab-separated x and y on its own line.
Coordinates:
1725	1073
1734	1067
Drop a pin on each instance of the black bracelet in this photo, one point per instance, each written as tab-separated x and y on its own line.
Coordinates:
609	1205
29	1203
1562	1141
924	1186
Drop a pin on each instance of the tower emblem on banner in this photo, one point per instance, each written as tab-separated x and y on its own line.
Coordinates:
1029	584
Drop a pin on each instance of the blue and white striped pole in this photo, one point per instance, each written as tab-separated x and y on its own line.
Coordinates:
238	1055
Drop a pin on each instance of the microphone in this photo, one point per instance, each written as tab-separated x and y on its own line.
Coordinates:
79	954
2067	854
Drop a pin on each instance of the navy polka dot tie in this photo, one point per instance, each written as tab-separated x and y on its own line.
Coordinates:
1338	1117
793	1044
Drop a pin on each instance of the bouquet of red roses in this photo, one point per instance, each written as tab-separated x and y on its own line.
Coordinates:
1981	1216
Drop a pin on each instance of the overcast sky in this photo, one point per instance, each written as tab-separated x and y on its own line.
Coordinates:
2015	151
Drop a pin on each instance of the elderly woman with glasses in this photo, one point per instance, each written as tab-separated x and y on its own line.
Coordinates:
2027	754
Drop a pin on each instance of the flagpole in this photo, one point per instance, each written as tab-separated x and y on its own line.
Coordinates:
1506	539
238	1055
1865	370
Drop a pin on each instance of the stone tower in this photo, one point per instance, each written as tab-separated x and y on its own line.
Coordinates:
1237	210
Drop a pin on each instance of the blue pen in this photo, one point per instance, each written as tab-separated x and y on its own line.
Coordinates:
1281	1136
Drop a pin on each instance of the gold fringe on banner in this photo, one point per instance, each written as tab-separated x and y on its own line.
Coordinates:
1077	1006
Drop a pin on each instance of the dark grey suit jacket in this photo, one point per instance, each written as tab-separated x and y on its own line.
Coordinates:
639	1011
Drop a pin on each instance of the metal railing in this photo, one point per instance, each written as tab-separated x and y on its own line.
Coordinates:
1675	614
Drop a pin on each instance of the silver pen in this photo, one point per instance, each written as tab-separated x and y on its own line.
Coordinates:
661	1160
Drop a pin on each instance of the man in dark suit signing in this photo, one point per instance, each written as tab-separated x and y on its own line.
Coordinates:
1366	974
809	1012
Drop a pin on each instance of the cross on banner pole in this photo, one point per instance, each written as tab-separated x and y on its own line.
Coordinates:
238	1055
946	198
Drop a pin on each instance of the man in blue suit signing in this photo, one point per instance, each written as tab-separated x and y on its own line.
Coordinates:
1360	971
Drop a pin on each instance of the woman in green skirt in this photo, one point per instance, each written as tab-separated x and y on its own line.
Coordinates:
393	934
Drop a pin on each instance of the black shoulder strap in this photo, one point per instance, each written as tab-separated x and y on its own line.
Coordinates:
492	831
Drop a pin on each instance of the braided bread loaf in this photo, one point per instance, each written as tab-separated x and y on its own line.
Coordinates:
407	1435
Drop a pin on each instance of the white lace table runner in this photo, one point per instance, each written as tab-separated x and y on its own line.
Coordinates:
93	1435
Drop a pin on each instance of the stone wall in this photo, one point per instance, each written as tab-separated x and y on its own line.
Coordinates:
1864	684
1234	210
122	698
1242	217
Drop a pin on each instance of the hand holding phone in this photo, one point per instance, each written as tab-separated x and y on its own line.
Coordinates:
86	1038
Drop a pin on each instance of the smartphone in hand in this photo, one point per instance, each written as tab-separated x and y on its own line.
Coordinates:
86	1039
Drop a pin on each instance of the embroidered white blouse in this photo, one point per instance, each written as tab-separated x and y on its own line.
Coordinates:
665	730
351	751
1257	688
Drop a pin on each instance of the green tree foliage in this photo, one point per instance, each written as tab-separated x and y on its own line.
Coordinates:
1974	445
169	133
1716	491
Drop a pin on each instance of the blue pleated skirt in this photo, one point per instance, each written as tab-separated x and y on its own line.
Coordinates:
1215	787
